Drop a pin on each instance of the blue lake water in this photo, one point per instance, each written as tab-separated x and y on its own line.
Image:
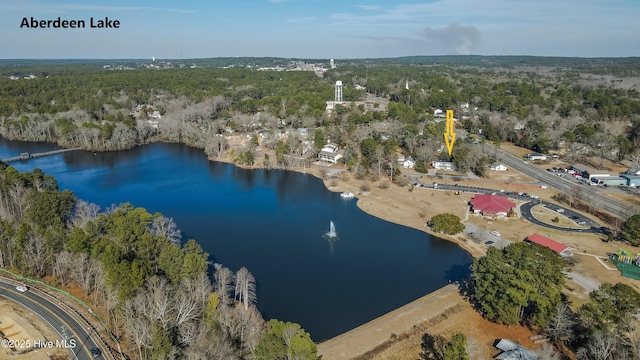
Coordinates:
272	222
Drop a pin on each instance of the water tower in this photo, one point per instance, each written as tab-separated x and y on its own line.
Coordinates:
338	97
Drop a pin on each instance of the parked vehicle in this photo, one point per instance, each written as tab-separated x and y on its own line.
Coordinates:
495	233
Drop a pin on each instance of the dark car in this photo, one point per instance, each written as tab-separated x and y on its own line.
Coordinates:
489	242
575	217
95	352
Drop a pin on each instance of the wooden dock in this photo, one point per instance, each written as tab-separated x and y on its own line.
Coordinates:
27	156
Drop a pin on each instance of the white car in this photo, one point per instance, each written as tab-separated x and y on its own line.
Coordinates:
22	288
495	233
560	210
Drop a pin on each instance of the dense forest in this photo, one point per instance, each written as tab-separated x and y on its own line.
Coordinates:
580	108
136	265
156	290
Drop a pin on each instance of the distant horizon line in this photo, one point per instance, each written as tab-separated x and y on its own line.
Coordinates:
317	58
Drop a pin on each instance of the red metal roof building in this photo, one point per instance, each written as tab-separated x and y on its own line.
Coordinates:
488	204
546	242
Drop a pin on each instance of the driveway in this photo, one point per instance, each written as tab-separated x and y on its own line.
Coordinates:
525	210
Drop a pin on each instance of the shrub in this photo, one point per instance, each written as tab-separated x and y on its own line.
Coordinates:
365	187
446	223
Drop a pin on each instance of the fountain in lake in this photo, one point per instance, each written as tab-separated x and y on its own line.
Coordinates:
332	230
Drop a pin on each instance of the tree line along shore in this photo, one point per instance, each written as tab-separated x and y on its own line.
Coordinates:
583	113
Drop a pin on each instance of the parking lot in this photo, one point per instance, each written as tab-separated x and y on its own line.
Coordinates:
484	236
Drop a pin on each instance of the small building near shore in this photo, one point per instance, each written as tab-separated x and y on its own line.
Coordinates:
331	153
561	249
443	165
491	205
408	163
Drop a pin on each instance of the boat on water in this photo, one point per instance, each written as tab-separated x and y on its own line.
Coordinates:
347	195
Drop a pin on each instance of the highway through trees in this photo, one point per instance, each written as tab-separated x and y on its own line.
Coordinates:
585	193
76	337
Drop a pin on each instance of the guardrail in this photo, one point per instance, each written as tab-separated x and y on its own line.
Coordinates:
73	311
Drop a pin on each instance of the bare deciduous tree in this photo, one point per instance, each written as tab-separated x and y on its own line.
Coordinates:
164	226
158	297
62	266
545	352
473	349
560	326
138	326
223	283
186	307
84	212
600	346
245	289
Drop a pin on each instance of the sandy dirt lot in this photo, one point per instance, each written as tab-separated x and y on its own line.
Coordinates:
413	208
398	335
19	324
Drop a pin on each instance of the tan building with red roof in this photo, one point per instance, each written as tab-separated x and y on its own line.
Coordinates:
491	205
561	249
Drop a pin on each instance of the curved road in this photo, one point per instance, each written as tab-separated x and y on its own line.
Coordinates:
75	335
525	208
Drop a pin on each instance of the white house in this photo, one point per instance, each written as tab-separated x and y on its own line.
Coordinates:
536	156
497	167
408	163
443	165
330	153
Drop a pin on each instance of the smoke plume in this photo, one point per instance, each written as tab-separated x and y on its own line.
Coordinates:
454	37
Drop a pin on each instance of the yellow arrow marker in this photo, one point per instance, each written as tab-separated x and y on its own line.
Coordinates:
449	135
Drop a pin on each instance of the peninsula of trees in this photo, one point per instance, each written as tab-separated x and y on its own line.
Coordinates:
155	289
136	265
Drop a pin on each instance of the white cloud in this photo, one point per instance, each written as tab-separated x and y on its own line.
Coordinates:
369	7
507	26
300	20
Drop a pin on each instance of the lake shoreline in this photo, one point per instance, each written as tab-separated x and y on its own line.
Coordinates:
373	202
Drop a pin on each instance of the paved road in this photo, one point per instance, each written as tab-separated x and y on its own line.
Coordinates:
376	332
525	209
77	338
587	194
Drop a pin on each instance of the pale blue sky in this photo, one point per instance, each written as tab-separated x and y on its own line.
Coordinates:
324	28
